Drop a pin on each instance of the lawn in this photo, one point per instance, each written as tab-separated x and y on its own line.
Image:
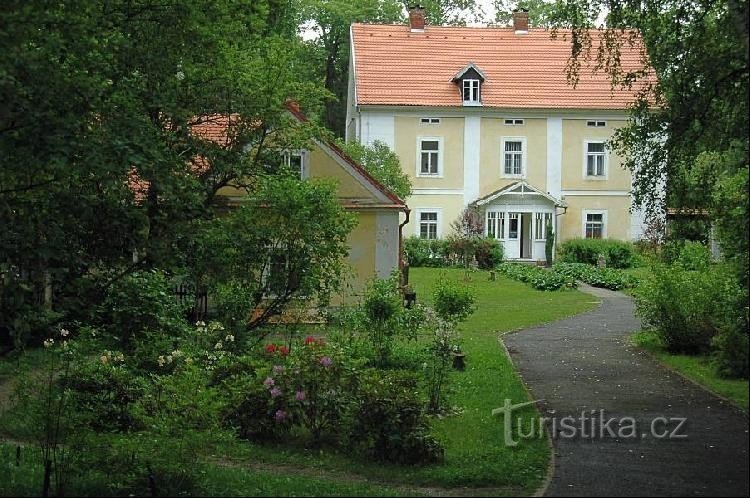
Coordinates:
699	369
475	454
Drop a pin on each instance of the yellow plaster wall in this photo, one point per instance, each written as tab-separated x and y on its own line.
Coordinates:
618	216
574	133
534	130
407	131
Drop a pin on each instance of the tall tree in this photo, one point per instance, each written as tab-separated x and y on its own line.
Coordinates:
100	103
689	127
540	11
331	20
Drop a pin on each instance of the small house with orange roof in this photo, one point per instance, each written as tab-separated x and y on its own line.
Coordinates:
486	117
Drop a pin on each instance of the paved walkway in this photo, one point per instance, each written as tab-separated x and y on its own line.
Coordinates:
585	363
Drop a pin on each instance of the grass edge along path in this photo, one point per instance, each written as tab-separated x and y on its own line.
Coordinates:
697	369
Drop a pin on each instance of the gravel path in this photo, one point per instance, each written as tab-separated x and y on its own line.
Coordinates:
585	363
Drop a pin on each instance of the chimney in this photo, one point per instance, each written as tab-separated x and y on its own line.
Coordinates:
416	18
521	21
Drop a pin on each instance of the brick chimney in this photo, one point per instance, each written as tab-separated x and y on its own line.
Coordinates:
416	18
521	21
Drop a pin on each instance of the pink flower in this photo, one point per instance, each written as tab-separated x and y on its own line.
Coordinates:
275	392
326	361
271	348
269	382
283	350
280	416
300	396
278	369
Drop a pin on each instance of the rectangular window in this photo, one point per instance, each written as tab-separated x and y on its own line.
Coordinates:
492	224
428	225
594	225
430	120
429	156
513	225
513	122
596	124
513	158
500	225
595	155
471	91
293	161
543	220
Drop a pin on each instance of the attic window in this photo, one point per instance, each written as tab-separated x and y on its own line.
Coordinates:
596	124
513	122
429	120
470	91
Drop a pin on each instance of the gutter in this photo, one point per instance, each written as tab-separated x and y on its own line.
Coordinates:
401	261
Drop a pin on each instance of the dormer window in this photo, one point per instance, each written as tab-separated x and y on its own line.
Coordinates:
471	91
469	81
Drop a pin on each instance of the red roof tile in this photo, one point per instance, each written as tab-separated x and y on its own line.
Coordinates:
394	66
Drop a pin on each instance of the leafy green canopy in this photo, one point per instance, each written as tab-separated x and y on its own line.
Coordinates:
692	130
382	163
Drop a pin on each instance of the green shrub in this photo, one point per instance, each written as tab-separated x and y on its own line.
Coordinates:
688	308
538	278
731	351
103	394
608	278
389	423
618	254
670	251
417	251
488	253
694	256
453	302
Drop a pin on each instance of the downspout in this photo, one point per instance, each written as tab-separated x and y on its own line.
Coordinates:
401	261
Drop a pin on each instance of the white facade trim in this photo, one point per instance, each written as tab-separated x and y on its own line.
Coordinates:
496	112
472	143
554	156
437	191
612	193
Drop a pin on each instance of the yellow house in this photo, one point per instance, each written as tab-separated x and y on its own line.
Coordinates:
485	117
375	242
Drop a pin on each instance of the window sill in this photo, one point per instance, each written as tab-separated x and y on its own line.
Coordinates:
426	175
472	104
596	178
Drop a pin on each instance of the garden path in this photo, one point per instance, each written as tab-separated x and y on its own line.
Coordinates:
586	363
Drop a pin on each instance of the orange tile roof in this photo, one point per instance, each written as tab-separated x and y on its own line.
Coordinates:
394	66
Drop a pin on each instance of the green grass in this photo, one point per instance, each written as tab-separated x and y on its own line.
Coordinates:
218	480
697	368
475	453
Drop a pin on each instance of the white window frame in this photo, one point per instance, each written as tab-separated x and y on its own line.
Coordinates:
474	84
514	122
503	140
586	212
515	215
429	121
545	217
418	224
439	173
586	175
501	218
304	161
596	123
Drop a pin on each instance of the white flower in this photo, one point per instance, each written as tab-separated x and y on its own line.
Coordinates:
229	338
103	358
49	342
176	353
64	332
160	360
200	324
218	345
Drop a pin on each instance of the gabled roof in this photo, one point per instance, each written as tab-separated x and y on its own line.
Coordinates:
393	66
354	168
516	188
466	68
